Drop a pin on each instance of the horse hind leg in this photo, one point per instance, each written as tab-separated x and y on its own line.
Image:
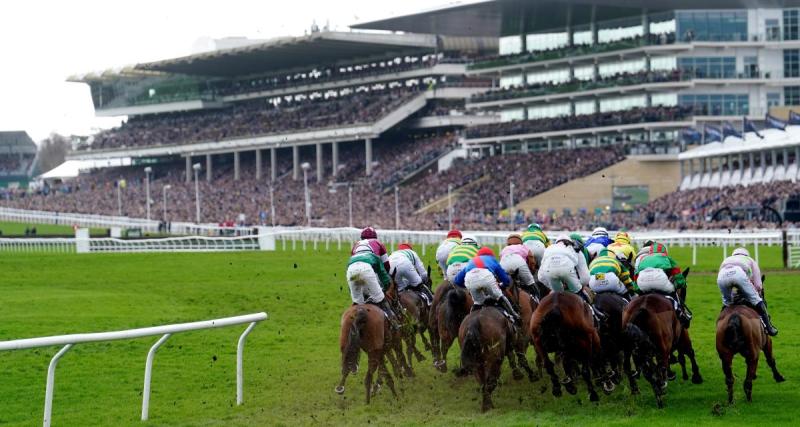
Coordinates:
771	362
727	361
682	362
586	371
387	377
752	367
492	375
629	372
374	361
686	348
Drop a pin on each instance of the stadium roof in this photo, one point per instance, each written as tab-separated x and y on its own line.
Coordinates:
292	52
16	141
773	139
493	18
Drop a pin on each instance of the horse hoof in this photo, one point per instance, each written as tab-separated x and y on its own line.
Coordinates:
697	379
779	378
339	389
671	375
535	377
460	372
660	404
517	374
609	386
557	392
593	397
571	388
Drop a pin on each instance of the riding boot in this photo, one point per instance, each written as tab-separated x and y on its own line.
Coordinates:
390	314
683	312
598	315
510	309
762	311
427	291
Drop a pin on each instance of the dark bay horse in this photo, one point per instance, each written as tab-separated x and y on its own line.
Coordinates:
563	324
485	338
365	328
417	313
739	331
525	305
612	339
652	333
451	305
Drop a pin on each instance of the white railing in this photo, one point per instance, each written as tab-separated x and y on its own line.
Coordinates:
177	244
31	244
166	331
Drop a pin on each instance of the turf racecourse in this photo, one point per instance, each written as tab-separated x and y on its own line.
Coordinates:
292	360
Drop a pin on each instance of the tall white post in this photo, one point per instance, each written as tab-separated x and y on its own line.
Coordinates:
334	157
368	151
258	164
197	192
273	164
209	168
147	171
119	198
511	204
350	205
272	205
237	158
450	206
396	207
295	163
164	206
319	162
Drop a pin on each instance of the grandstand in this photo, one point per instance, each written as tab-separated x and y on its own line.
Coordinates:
18	159
485	115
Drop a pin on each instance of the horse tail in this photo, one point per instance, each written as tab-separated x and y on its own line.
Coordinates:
552	322
734	338
353	347
471	350
453	316
634	334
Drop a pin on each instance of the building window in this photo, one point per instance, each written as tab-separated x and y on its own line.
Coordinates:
773	99
717	104
751	67
716	25
512	115
548	111
791	95
773	27
791	24
717	67
510	45
791	63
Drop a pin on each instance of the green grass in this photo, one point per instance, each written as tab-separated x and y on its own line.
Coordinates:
18	229
292	359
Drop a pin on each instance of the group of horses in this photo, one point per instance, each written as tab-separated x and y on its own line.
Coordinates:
640	338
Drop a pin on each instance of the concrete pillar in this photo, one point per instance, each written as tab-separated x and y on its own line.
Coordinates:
335	157
691	166
571	108
273	164
645	24
549	145
683	169
751	164
595	71
648	63
648	100
774	157
522	25
319	162
209	168
785	158
368	152
295	162
236	163
763	162
188	168
741	163
568	28
593	25
258	164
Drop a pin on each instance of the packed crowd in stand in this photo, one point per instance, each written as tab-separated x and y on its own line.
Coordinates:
14	164
578	85
583	121
252	118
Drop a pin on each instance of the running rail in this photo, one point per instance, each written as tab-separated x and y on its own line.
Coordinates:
166	331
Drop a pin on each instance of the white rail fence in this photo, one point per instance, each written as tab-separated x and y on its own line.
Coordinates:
166	331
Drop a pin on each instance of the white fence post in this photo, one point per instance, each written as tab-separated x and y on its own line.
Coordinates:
239	364
51	379
148	371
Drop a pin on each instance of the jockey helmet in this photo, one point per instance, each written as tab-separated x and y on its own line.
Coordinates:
453	234
514	239
404	245
600	231
486	251
369	233
563	238
534	227
469	239
648	243
576	238
741	251
622	237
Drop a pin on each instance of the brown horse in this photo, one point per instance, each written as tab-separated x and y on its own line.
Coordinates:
485	338
364	327
739	331
451	305
401	366
417	313
525	305
563	324
611	337
653	332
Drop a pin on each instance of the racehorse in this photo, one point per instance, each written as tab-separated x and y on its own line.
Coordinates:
526	305
404	333
485	338
364	327
739	331
563	324
417	312
451	306
611	337
653	332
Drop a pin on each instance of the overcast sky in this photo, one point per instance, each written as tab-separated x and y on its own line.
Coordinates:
44	42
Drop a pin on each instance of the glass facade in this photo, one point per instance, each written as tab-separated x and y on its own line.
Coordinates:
551	76
791	24
708	67
623	103
711	25
717	104
773	99
791	95
634	66
791	63
547	111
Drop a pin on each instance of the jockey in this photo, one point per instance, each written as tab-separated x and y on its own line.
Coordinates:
578	239
518	261
622	247
564	268
608	274
368	280
650	247
742	272
599	240
481	277
660	273
369	239
409	271
460	256
443	251
535	239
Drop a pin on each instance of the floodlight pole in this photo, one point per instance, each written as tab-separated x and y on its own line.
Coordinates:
119	198
450	206
272	205
350	204
164	205
396	207
147	172
511	204
196	168
306	166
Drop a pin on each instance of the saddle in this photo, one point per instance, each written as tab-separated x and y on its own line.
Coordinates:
489	302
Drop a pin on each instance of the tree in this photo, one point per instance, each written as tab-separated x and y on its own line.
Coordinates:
52	151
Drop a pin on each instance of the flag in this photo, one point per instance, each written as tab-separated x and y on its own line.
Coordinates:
729	130
712	134
775	123
691	135
751	127
794	118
